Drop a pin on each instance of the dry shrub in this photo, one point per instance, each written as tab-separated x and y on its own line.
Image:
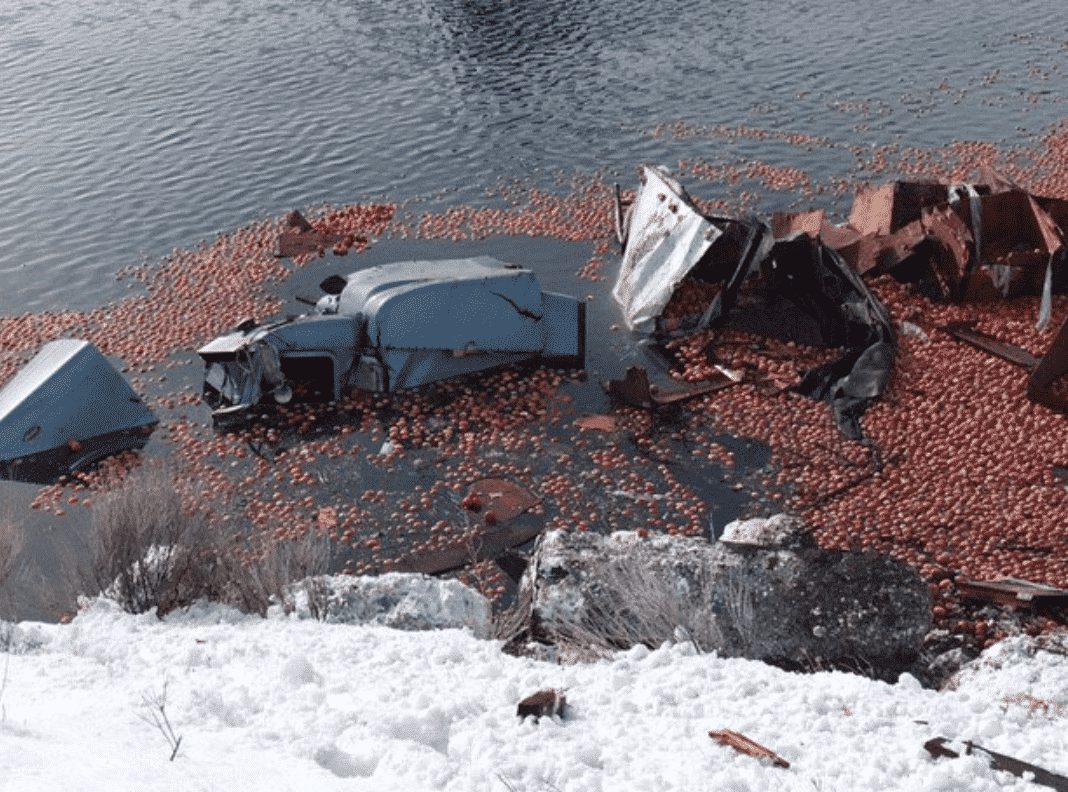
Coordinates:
638	603
152	548
11	538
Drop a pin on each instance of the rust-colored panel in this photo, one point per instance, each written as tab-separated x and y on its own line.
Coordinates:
1013	592
785	224
743	744
1048	384
1013	354
873	210
636	389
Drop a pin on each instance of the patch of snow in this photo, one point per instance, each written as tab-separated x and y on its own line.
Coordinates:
295	704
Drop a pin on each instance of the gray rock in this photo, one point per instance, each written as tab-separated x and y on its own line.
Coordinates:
396	599
769	594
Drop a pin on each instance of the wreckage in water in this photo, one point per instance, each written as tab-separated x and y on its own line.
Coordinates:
67	409
394	327
794	287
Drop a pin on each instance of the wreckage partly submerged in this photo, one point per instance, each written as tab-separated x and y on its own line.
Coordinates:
67	409
799	285
393	327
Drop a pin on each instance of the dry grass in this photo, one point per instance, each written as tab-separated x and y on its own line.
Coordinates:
152	548
11	541
637	603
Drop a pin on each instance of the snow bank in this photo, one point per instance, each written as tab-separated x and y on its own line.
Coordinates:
284	704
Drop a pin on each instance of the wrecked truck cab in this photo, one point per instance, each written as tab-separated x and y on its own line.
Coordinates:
394	327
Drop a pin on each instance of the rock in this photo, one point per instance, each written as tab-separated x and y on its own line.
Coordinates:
768	594
404	601
543	703
782	530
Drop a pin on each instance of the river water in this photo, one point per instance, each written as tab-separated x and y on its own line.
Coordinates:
127	129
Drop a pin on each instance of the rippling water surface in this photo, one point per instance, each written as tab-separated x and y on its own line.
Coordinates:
127	129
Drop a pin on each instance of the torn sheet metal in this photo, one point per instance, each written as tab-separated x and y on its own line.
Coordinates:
663	248
394	327
786	224
1048	384
636	389
883	209
821	285
1018	356
743	744
67	409
941	747
1013	592
1016	242
666	237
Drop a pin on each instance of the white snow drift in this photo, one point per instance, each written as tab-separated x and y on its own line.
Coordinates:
284	703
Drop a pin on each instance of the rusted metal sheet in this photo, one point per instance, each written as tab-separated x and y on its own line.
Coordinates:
504	499
1014	592
1017	241
543	704
886	208
637	390
1048	384
873	210
666	237
950	261
756	276
483	545
943	748
743	744
1018	356
786	224
597	423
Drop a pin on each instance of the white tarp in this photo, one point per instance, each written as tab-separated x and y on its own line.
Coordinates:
667	236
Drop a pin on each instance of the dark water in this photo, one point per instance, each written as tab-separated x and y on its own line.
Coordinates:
127	129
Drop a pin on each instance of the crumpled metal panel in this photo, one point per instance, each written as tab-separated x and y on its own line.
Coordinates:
786	224
667	236
64	399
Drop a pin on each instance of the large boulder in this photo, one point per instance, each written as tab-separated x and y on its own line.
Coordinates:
404	601
765	591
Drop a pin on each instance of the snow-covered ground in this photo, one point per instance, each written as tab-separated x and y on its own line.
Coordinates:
280	704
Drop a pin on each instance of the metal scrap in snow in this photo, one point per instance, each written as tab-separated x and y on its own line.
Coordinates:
939	747
743	744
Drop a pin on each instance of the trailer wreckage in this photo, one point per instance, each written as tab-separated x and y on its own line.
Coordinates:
66	409
772	284
394	327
